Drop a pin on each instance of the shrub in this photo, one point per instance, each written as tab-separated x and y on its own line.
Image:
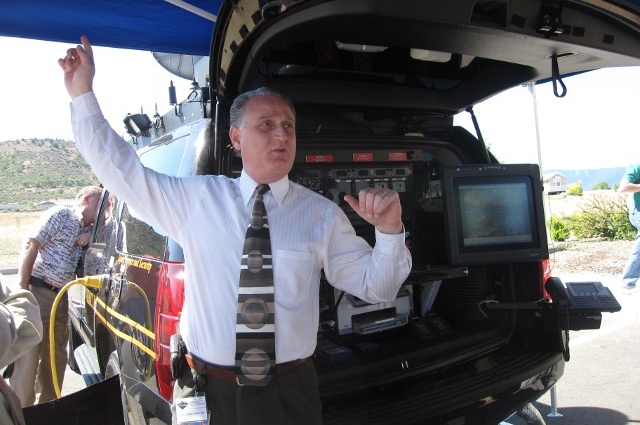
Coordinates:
603	217
575	189
559	229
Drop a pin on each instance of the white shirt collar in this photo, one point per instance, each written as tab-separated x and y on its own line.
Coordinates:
279	188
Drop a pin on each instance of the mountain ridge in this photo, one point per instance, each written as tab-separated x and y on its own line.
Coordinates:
38	170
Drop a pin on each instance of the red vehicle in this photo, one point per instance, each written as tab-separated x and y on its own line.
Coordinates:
473	335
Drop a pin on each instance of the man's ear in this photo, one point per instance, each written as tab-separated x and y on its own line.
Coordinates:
234	135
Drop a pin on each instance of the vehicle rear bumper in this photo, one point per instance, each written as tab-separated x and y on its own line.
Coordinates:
486	391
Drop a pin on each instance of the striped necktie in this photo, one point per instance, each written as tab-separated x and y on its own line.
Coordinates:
255	343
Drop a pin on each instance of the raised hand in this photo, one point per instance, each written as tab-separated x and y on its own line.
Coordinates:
79	68
380	207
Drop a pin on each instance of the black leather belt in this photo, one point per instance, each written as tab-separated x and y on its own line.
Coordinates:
229	375
39	282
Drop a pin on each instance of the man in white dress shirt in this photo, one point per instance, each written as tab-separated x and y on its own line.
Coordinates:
208	216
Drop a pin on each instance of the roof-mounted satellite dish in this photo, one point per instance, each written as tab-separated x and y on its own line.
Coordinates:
177	64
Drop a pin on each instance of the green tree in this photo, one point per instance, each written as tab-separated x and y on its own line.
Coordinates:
575	189
601	186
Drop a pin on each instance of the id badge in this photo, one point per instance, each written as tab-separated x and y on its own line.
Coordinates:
192	411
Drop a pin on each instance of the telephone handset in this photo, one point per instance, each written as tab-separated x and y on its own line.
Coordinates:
582	296
558	292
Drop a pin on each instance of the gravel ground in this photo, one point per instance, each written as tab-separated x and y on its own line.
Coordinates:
592	256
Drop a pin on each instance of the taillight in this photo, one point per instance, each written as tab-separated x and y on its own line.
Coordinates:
168	309
545	272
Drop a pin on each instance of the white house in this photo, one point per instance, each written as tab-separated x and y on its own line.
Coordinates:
554	183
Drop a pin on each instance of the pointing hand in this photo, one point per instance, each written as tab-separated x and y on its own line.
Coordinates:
79	68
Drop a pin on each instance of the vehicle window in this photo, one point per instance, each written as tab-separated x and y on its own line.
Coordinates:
175	158
108	231
174	252
99	223
167	158
142	239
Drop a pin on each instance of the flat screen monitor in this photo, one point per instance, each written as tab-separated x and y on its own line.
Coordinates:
494	214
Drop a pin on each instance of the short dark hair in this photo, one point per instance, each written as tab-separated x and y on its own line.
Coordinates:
236	114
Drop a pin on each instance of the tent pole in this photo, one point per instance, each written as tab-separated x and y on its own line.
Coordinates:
195	10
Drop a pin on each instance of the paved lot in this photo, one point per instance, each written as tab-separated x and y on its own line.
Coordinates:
72	382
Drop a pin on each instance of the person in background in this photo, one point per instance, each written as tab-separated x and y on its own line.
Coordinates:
20	330
47	262
208	216
630	184
108	231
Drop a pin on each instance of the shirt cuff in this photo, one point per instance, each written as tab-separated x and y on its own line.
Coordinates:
391	245
85	105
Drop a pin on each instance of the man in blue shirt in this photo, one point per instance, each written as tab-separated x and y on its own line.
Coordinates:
631	184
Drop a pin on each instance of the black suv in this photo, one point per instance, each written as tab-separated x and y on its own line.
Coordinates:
473	335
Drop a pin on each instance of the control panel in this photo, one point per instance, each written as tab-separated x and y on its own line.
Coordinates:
336	180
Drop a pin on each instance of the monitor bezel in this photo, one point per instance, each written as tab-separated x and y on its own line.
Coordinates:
452	178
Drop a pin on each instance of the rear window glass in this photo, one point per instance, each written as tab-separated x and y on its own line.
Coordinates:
143	240
174	158
166	158
109	230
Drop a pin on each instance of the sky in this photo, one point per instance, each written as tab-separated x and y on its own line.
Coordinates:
596	125
35	103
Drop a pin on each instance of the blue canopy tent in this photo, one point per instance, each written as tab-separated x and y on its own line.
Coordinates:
168	26
172	26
